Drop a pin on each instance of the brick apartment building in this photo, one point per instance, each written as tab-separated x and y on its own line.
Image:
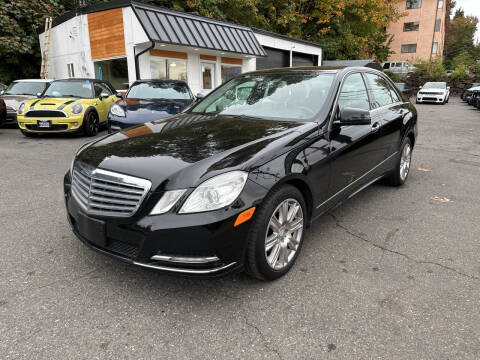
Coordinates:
420	34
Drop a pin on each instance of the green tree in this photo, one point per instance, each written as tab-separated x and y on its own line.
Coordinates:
460	37
19	48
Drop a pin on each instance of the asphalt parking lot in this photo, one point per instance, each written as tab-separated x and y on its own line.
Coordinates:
394	273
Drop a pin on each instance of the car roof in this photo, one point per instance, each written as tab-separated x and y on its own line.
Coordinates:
326	69
161	80
33	80
80	79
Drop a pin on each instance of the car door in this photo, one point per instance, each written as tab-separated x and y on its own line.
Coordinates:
354	149
389	110
103	103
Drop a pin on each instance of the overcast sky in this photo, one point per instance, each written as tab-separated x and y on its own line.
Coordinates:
471	7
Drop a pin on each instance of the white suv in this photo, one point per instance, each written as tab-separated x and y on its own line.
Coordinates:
434	92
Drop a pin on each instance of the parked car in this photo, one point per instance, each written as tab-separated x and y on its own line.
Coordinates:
434	92
71	105
148	100
234	183
19	91
3	112
401	68
407	91
468	92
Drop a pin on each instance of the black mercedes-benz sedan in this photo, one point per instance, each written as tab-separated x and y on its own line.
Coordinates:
148	100
235	181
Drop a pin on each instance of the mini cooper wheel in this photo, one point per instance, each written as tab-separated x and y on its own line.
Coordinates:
402	169
277	234
91	124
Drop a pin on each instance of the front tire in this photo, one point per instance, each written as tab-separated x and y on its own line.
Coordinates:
90	124
402	167
277	234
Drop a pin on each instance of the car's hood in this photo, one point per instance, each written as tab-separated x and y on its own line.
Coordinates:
141	110
49	103
14	101
184	150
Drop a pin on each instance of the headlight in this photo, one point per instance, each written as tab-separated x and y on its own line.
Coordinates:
215	193
21	108
117	110
167	201
76	108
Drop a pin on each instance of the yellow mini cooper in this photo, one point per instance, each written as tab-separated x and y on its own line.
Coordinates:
72	105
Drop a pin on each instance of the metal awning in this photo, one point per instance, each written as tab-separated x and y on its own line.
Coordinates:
174	27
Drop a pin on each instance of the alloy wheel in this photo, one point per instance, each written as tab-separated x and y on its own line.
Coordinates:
284	233
93	124
405	161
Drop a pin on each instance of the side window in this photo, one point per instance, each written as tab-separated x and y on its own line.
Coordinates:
394	94
380	90
107	89
101	88
354	93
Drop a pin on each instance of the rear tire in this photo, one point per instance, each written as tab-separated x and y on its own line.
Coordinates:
277	234
91	124
402	167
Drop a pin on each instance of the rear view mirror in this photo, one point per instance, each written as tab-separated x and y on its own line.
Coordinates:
353	116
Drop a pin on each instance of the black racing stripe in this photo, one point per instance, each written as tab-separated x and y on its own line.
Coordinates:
65	104
33	104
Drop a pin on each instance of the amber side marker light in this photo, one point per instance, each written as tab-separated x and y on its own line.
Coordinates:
244	216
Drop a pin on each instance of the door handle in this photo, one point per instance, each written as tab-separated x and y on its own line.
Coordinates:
375	127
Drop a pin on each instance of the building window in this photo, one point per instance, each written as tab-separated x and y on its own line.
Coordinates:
440	4
438	22
409	48
171	69
114	71
414	4
435	48
411	26
71	72
229	72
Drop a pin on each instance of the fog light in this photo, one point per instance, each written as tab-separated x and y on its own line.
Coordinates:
21	124
75	124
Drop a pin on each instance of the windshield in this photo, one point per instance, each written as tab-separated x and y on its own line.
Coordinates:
435	85
59	89
283	95
159	90
25	88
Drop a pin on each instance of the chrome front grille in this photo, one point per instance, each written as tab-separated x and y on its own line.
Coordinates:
105	193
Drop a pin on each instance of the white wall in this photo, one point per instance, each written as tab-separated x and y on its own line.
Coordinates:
69	43
134	35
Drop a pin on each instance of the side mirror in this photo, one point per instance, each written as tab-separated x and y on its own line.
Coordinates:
199	97
2	92
119	95
420	87
448	87
103	95
39	94
353	116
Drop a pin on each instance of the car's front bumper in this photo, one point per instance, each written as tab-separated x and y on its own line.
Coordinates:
72	123
203	244
11	117
421	98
